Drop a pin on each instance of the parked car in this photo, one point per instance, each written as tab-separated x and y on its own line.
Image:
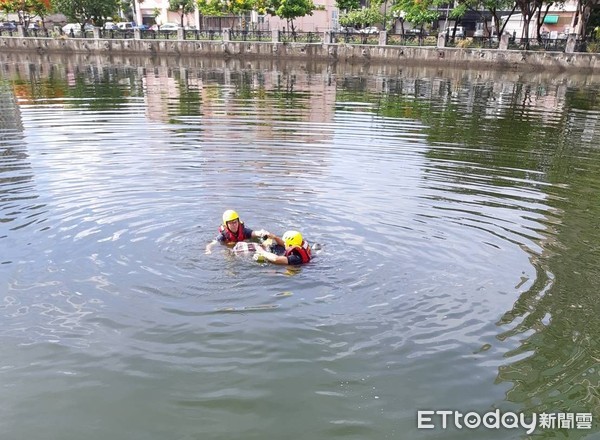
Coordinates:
125	26
416	32
460	31
480	33
8	26
76	28
369	30
169	27
348	30
110	26
142	27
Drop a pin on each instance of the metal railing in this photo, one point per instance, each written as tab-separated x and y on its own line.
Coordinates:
116	33
41	32
411	40
300	37
208	35
241	35
76	33
473	42
355	38
149	34
358	38
541	44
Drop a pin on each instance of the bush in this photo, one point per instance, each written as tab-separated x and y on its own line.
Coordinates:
431	40
464	43
593	47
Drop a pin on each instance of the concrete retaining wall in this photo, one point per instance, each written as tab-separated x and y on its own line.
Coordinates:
494	59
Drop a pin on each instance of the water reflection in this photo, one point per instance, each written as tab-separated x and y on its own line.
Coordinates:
457	210
17	192
556	367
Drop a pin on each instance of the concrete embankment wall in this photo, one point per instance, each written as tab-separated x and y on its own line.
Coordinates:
494	59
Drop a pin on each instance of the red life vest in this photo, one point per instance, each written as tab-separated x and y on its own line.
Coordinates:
229	237
302	251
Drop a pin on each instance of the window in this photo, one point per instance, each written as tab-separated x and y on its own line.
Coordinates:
551	19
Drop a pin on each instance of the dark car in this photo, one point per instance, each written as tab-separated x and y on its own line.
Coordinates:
8	26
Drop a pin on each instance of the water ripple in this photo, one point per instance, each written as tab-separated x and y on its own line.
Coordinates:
437	236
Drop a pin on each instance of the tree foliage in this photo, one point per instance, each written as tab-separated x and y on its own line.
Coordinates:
241	6
87	11
360	18
182	7
417	12
347	5
495	7
584	12
221	7
213	8
289	10
26	9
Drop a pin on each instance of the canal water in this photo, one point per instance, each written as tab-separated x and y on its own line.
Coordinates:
458	215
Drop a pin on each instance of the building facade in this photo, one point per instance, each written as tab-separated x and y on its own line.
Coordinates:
157	11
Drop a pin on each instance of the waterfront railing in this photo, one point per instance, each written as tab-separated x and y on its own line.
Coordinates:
569	44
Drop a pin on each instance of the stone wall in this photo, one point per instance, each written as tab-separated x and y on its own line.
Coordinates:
494	59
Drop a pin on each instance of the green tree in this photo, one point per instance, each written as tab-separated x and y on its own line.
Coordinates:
183	7
26	9
212	7
360	18
156	13
584	12
87	11
532	8
290	10
129	9
417	12
347	5
241	6
494	7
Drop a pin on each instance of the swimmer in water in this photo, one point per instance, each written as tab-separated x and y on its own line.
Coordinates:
233	231
297	250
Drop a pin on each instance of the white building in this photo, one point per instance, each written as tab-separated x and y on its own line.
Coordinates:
145	13
326	17
557	23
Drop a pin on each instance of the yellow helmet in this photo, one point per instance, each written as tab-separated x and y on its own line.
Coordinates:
292	238
230	215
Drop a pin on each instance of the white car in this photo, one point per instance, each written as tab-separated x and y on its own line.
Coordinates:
125	26
460	31
369	30
169	27
76	28
110	26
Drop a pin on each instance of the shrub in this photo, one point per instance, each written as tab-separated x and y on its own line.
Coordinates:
593	47
464	43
